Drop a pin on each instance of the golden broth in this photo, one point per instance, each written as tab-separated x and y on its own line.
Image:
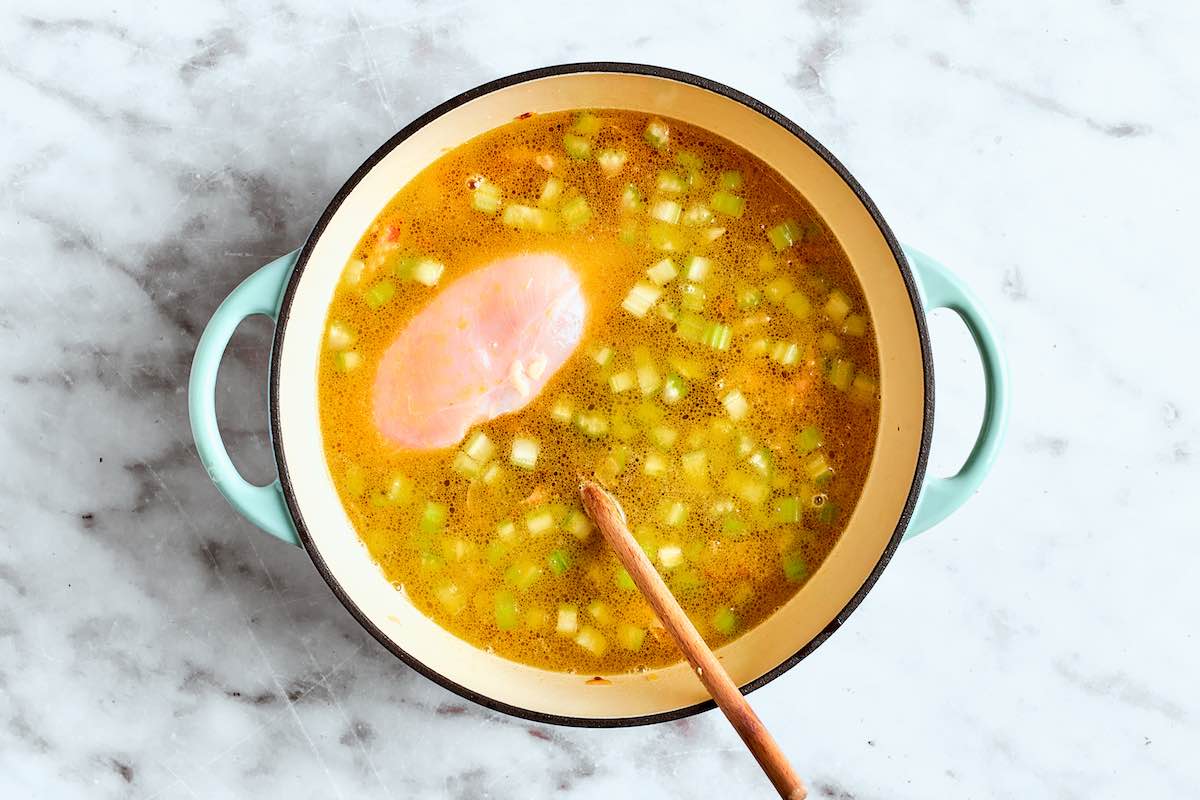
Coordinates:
734	420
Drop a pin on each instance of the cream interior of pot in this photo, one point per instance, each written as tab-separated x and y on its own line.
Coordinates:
811	610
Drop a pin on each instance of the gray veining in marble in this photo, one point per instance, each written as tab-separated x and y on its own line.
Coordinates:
1040	643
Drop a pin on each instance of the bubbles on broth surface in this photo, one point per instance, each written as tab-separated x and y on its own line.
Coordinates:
737	501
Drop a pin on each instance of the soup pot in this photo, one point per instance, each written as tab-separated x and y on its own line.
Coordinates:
302	507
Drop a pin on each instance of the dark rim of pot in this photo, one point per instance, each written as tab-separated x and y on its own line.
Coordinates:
400	137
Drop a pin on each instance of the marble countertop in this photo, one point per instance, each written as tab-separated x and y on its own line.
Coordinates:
1040	643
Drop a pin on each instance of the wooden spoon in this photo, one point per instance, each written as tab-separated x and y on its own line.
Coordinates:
609	517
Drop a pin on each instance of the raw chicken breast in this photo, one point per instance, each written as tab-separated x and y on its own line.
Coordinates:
484	346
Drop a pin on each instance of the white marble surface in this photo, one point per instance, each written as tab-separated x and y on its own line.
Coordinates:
1040	643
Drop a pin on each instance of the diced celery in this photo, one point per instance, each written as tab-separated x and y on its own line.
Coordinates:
747	487
433	518
655	465
763	462
379	294
728	204
840	373
347	360
592	425
779	288
621	381
466	466
586	123
621	427
855	325
668	312
766	262
641	298
480	447
837	307
492	474
657	134
399	490
692	369
624	580
562	411
693	297
712	234
863	388
663	436
717	336
689	160
630	637
758	347
665	237
785	234
828	513
662	272
695	466
576	146
353	272
452	598
748	297
601	612
733	526
696	216
612	464
788	509
551	191
674	513
457	549
667	211
798	304
670	183
817	468
506	531
674	389
567	621
577	524
631	198
795	568
539	520
431	562
725	621
602	354
648	378
730	180
340	336
670	556
808	439
736	405
559	562
486	197
537	619
591	640
528	218
697	268
611	161
506	614
575	213
745	445
525	451
786	353
690	327
829	343
522	575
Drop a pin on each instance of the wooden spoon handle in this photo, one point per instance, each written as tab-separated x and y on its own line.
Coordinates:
606	513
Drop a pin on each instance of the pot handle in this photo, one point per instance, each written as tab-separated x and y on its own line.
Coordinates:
257	294
941	497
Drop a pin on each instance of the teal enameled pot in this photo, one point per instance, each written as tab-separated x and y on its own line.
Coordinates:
899	500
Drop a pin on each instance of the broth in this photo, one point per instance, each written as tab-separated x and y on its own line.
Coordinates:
724	390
